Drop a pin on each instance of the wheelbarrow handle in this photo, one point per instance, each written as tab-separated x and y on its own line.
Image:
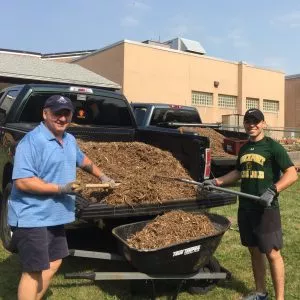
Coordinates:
213	187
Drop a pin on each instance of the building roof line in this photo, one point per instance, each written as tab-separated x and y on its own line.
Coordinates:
100	50
170	50
69	53
54	79
46	55
19	52
294	76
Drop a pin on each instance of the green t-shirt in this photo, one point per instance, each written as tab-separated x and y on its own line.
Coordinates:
260	164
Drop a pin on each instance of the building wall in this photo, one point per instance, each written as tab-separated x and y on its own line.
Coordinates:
266	85
292	102
153	75
109	62
156	74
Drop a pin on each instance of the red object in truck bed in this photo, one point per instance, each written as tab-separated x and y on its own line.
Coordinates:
233	145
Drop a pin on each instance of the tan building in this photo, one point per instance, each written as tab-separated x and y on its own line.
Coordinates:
179	72
176	72
292	101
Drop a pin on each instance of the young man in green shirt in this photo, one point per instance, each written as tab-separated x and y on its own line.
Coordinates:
259	166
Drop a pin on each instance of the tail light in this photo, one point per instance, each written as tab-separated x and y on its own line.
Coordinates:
207	160
175	106
81	89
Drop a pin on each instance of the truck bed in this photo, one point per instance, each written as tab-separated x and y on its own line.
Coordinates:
86	210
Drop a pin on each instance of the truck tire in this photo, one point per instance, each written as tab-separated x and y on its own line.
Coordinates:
5	232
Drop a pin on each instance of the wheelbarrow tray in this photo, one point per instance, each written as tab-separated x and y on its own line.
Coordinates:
181	258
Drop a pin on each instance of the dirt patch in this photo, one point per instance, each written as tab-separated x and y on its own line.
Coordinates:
216	139
135	165
171	228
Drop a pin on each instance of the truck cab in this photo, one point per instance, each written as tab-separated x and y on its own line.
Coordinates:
158	114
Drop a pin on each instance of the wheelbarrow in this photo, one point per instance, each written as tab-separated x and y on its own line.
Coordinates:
181	263
181	258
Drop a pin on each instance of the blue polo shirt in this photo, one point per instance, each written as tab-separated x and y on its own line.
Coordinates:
40	155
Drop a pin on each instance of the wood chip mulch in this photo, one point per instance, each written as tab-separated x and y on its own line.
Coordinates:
135	165
171	228
216	139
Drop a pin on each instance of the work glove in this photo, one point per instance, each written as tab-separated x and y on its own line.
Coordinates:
105	179
73	187
209	183
267	197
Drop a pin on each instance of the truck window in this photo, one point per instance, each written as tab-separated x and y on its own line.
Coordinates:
161	115
140	113
88	109
8	100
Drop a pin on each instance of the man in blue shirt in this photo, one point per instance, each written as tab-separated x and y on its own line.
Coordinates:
43	195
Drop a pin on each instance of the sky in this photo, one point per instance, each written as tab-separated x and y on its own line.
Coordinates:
265	33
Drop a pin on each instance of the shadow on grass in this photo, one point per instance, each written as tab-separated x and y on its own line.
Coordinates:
236	285
120	289
136	289
10	276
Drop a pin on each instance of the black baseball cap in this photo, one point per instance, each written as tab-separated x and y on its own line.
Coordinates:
58	102
254	114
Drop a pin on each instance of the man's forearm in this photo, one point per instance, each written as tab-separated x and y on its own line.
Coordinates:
35	185
229	178
90	167
288	178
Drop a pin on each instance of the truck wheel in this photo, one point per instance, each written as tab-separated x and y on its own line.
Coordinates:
5	232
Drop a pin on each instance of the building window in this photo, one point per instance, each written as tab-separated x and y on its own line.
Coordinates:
202	99
227	101
252	103
270	105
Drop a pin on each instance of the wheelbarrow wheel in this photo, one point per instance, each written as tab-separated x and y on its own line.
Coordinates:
5	232
205	285
143	288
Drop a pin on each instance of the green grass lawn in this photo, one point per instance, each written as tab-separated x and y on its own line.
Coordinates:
230	254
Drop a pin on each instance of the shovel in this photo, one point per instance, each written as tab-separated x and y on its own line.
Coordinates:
212	187
99	185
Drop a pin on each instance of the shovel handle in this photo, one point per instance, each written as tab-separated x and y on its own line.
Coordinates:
99	185
249	196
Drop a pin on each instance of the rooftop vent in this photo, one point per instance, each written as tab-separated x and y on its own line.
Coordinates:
156	43
186	45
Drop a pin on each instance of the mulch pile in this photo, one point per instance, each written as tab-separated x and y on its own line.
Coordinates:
135	165
216	139
171	228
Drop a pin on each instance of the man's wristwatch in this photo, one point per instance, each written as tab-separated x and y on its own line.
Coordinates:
274	189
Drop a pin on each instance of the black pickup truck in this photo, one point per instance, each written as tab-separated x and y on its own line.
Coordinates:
109	119
163	115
